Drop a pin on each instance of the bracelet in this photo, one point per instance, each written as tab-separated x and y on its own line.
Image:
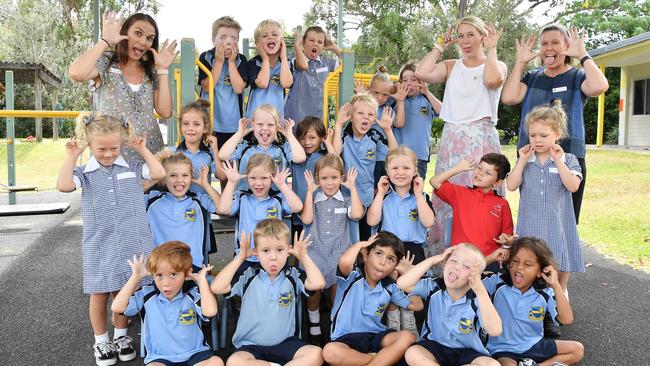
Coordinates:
582	60
109	45
439	48
162	71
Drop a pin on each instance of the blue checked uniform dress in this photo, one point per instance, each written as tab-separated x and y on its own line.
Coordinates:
115	225
546	211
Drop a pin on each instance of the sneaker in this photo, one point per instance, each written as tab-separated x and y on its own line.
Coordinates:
526	362
557	363
124	348
407	319
105	354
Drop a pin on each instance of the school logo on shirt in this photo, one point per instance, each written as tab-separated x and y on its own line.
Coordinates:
370	153
466	325
380	310
226	80
276	80
413	215
188	316
285	298
190	214
278	162
536	313
424	111
496	210
272	213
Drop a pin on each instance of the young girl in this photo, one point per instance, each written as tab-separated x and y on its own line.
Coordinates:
269	72
175	214
402	208
132	80
115	224
258	203
546	177
328	210
522	296
198	143
283	147
418	108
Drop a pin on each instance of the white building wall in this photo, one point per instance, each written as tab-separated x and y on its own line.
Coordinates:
636	130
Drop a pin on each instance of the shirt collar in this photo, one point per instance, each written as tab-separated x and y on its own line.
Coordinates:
320	196
93	164
533	157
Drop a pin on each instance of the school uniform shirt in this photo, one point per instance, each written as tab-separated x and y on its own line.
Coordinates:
546	211
399	215
249	211
306	94
478	217
298	182
181	219
274	92
281	155
201	158
415	134
361	153
115	225
171	329
358	308
381	155
269	308
522	315
227	104
454	324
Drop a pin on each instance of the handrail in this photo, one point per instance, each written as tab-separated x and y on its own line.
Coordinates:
177	79
210	91
30	113
331	76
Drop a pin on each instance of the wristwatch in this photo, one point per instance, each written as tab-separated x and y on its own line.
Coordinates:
582	60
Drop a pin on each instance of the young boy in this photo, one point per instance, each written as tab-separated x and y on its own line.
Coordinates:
459	306
480	215
229	72
362	296
310	69
171	311
359	145
267	329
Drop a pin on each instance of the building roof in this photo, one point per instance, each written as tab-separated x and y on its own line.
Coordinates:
25	72
628	52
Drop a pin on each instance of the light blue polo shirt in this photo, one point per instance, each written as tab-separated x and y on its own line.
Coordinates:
415	134
522	315
268	308
455	324
399	215
362	154
182	219
281	154
202	158
273	94
249	211
358	308
171	330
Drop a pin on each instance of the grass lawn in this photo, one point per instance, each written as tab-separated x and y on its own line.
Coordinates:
615	215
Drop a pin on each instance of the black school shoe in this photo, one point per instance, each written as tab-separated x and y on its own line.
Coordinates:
551	330
316	339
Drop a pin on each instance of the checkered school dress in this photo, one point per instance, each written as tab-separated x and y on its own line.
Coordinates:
115	225
546	211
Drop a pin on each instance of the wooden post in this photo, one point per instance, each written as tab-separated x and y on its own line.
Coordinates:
38	105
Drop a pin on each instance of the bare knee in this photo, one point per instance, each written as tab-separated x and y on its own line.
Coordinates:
239	359
332	353
309	355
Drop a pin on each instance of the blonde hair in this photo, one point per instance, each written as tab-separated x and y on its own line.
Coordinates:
475	22
329	161
272	228
364	98
177	158
263	160
89	124
380	76
175	252
263	25
268	108
474	250
225	22
553	116
402	150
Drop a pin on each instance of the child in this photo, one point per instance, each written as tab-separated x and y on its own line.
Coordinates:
282	146
359	145
310	69
228	68
328	211
418	108
405	212
546	177
480	215
132	80
459	307
115	223
259	202
269	73
181	215
171	312
267	330
523	295
197	143
362	295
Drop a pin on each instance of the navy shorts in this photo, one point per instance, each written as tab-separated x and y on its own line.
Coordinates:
416	250
449	356
280	353
193	360
422	168
363	342
222	137
540	352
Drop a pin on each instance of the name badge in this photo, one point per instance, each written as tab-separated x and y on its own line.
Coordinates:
340	210
560	89
125	175
322	69
553	170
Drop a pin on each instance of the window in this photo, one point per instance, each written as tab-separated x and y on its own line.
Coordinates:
641	104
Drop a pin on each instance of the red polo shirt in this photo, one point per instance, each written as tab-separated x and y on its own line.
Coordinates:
478	218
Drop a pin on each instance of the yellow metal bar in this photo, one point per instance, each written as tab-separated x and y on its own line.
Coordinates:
210	91
44	114
331	76
177	78
601	114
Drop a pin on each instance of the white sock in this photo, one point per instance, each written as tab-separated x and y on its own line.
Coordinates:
274	364
119	332
102	338
314	317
